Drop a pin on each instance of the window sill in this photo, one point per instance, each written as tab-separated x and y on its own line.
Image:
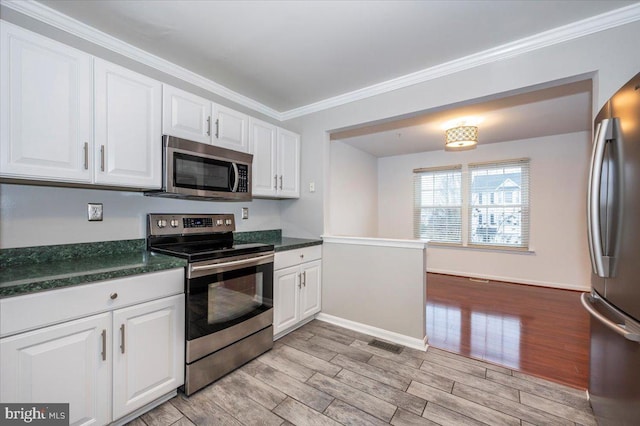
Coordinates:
489	249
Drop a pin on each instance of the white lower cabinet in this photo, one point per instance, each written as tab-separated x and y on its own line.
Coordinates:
297	287
148	353
107	365
61	363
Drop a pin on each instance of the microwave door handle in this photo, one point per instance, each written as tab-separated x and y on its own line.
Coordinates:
236	177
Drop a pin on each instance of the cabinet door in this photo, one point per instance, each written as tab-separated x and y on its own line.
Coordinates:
288	164
263	147
310	295
286	307
232	129
185	115
148	353
128	138
46	122
68	363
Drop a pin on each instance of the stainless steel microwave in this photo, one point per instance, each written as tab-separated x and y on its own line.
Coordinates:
199	171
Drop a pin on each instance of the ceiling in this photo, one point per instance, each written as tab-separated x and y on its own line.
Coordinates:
551	111
289	54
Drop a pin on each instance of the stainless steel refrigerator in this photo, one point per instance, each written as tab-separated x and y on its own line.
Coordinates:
613	212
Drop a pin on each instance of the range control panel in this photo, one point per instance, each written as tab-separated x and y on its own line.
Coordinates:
181	224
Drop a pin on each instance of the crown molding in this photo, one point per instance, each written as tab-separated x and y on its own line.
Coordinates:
551	37
65	23
548	38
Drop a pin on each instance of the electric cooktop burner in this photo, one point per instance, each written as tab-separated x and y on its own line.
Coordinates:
197	237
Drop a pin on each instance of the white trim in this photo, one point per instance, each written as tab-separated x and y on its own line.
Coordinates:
541	40
65	23
551	37
380	242
144	409
401	339
562	286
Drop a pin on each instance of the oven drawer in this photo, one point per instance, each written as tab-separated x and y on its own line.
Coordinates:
56	306
285	259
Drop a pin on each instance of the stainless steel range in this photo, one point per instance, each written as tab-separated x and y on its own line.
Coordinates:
229	292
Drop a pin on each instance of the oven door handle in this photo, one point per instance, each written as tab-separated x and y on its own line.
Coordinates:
226	266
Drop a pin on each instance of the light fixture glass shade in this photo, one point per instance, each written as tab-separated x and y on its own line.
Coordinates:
461	138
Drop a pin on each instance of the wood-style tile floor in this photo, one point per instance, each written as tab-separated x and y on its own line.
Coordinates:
536	330
322	374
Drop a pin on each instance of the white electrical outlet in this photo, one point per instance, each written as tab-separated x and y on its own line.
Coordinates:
94	211
312	187
245	212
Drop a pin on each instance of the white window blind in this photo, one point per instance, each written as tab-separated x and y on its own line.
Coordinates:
438	204
499	204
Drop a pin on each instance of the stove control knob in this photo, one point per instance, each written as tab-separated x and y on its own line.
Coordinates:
174	223
228	222
219	222
162	223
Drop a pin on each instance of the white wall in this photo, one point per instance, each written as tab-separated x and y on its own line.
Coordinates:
559	171
378	285
354	191
33	215
609	56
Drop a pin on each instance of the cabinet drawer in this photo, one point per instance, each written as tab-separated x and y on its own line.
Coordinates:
31	311
285	259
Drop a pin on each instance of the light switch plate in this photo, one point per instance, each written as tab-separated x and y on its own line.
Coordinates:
94	212
245	212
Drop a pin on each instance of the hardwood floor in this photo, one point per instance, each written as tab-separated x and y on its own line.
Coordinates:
322	374
539	331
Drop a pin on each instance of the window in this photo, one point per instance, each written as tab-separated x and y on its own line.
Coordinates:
438	204
509	181
493	198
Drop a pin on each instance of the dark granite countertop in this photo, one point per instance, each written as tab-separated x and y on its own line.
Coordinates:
32	269
275	237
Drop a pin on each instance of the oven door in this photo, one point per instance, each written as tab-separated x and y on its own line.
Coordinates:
227	300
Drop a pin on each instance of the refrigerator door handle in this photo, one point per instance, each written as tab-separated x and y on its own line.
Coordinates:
626	327
593	199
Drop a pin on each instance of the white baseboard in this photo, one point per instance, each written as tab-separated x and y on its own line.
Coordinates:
140	411
401	339
562	286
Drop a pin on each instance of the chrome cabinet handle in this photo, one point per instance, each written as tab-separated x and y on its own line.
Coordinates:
104	345
304	278
122	338
217	128
280	182
275	183
113	296
627	329
86	156
209	126
102	158
299	280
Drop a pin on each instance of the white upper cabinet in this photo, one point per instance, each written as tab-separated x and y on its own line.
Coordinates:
231	129
185	115
276	161
264	148
288	164
191	117
46	108
128	133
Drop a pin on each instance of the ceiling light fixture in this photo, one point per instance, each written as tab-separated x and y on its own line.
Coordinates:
461	138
